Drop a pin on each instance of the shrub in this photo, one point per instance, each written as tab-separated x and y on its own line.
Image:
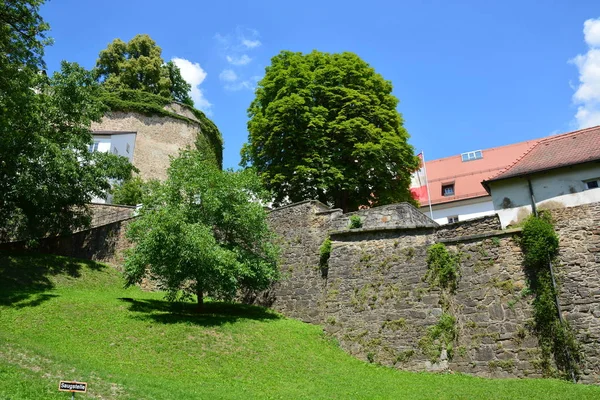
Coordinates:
355	222
442	267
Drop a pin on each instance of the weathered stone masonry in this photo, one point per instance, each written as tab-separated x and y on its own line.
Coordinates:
375	301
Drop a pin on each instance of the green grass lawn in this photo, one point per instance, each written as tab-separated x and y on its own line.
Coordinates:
72	320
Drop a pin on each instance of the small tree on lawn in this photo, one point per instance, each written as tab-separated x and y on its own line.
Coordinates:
203	232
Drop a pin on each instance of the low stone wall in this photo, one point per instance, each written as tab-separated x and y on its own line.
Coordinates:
105	241
103	214
469	227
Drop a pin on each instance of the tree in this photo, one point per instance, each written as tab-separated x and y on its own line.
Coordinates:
325	126
139	65
47	174
202	232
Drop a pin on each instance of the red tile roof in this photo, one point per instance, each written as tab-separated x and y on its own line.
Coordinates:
467	175
554	152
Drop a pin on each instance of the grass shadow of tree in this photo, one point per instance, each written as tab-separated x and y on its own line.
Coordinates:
25	277
214	313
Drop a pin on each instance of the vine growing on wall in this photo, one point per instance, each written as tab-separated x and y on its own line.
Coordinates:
442	267
442	271
557	341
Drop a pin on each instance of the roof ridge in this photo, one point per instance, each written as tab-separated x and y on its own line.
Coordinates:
507	168
564	135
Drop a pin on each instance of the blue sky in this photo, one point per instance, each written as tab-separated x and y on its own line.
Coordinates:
469	74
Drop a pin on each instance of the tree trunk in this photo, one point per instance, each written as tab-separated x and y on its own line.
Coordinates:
200	295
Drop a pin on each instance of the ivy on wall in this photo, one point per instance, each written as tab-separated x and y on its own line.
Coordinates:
442	271
557	341
209	142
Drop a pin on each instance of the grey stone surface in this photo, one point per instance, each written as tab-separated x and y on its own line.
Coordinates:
375	301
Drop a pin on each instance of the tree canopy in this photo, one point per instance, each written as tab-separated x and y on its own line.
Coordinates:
203	232
139	65
325	126
47	174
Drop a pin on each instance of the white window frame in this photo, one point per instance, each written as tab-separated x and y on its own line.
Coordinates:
94	146
445	185
472	155
592	181
452	219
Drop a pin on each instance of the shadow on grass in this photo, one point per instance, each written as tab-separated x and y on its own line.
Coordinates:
213	314
24	277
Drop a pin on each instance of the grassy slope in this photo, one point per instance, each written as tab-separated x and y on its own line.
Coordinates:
65	319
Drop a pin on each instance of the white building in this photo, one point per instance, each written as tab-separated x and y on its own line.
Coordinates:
559	171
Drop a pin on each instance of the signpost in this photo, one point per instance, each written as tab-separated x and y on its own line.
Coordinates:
73	387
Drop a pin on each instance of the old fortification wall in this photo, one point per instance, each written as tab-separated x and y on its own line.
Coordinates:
158	137
105	241
374	299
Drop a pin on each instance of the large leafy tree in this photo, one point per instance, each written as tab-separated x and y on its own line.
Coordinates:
325	126
47	174
139	65
203	232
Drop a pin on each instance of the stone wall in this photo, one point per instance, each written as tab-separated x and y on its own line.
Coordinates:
158	137
579	276
105	241
103	214
375	301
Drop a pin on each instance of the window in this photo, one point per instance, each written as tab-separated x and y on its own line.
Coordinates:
472	155
115	151
453	219
93	147
448	189
593	184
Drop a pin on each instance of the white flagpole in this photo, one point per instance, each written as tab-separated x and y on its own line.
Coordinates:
427	183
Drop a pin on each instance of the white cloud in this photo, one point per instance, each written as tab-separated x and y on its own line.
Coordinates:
194	75
248	84
241	60
587	95
228	75
250	44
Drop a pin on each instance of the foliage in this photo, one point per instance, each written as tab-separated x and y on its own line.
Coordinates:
325	126
132	191
355	222
439	336
139	65
540	242
209	141
325	253
124	338
442	267
203	232
179	87
47	175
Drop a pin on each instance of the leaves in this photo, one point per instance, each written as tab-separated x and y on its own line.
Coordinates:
204	230
138	65
325	126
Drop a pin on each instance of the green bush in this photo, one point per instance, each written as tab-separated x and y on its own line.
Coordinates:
355	222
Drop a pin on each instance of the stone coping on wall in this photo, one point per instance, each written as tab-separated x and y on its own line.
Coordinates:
316	202
378	229
479	236
112	205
